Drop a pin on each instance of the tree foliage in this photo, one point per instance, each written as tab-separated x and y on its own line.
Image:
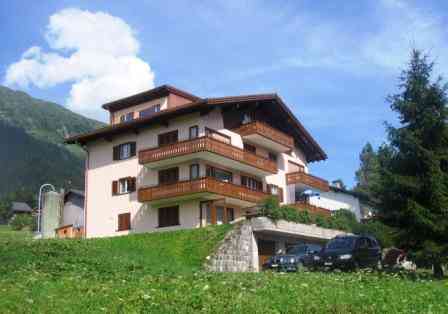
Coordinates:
412	191
342	219
367	176
31	136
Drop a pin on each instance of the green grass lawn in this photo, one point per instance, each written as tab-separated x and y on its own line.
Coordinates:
161	273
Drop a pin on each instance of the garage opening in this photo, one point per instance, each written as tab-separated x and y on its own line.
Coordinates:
266	249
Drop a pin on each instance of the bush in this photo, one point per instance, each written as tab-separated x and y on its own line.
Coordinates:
21	221
342	219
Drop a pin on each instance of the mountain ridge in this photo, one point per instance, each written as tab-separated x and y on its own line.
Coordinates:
32	133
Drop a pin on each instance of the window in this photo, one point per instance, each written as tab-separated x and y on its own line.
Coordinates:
194	132
169	176
124	151
168	216
194	171
168	138
251	183
219	174
127	117
123	186
149	111
124	222
230	214
250	148
219	215
272	157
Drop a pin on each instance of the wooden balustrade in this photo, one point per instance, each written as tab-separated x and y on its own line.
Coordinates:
201	185
307	179
206	144
267	131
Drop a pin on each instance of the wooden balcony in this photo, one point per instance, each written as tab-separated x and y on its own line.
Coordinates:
315	210
263	134
208	148
301	177
196	188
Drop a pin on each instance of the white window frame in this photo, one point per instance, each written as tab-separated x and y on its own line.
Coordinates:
123	186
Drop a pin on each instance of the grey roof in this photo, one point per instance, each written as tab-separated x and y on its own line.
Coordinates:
20	207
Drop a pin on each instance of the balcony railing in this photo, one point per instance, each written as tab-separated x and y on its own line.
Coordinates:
316	210
207	143
266	131
201	185
307	179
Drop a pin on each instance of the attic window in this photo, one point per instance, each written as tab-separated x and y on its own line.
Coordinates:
127	117
150	111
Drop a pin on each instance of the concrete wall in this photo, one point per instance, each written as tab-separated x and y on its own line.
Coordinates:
238	252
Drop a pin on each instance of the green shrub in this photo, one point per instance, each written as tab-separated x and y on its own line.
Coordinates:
21	221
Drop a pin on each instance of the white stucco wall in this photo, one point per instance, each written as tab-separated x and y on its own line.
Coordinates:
338	200
73	212
137	108
102	208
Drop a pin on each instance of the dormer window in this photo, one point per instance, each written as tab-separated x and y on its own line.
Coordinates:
150	111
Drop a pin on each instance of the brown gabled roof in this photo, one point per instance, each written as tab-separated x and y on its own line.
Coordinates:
158	92
311	148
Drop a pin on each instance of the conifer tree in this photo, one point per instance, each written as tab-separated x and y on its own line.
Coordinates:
413	182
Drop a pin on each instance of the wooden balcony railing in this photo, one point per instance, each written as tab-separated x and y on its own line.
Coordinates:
307	179
267	131
206	144
316	210
206	184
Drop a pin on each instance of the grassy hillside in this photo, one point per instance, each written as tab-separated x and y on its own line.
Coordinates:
160	273
32	132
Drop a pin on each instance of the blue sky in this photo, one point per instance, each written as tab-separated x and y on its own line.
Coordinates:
332	62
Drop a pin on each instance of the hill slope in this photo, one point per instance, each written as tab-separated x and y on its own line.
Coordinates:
31	137
161	273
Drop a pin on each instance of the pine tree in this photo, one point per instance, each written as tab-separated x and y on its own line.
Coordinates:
413	187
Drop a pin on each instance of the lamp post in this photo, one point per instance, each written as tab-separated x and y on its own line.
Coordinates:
39	204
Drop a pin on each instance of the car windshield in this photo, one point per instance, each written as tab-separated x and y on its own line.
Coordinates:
341	243
294	250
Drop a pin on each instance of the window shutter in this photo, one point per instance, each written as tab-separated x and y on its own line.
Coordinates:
114	187
127	221
116	153
131	184
133	149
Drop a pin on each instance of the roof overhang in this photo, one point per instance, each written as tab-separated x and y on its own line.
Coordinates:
155	93
303	138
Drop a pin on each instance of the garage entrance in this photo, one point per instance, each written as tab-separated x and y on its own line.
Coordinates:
266	249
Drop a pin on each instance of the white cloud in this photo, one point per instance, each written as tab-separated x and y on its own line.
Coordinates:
96	53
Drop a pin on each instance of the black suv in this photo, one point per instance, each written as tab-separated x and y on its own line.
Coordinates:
295	258
349	252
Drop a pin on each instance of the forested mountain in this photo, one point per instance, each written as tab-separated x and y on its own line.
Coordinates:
32	151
